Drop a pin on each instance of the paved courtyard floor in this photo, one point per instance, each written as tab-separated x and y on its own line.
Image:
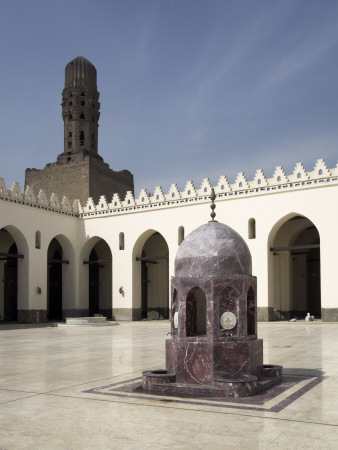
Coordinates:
74	388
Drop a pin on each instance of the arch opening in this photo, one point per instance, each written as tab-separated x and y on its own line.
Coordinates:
294	272
99	265
60	279
151	277
94	283
196	313
251	312
9	275
14	261
54	278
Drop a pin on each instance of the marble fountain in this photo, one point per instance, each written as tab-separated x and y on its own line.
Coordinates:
214	349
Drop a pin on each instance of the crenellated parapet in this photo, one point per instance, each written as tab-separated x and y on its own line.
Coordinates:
260	185
38	200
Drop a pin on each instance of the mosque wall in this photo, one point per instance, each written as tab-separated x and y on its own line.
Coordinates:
22	223
269	212
279	215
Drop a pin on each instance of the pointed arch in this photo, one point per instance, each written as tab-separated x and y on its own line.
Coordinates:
294	268
150	276
14	271
60	278
196	312
95	267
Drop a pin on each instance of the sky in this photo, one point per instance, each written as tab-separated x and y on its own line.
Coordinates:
189	89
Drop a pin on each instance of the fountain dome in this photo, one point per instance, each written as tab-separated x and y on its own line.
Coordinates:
213	250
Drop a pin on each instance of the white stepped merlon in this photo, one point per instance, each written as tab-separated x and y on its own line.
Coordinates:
174	193
189	190
158	195
15	191
42	198
143	198
116	202
260	185
29	195
129	200
223	185
279	177
205	187
259	180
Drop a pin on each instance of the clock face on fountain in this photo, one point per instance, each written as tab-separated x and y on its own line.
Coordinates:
228	320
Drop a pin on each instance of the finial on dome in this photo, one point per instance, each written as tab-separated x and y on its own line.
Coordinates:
212	206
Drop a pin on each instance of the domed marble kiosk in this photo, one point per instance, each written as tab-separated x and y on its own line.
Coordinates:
213	350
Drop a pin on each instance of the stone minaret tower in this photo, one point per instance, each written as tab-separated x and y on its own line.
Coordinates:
80	108
80	171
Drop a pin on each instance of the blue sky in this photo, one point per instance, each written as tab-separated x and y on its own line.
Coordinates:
189	88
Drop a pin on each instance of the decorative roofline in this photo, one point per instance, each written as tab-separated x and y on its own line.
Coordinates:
260	185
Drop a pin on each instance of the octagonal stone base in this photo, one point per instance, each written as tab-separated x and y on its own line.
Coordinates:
162	382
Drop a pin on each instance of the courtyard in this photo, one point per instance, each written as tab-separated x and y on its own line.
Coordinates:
78	388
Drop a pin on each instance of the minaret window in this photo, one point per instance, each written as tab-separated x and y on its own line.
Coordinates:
70	103
70	134
81	138
83	103
82	116
70	117
82	94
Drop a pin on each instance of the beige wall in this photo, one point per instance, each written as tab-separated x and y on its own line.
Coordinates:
77	237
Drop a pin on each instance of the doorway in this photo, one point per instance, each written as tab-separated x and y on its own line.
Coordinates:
296	270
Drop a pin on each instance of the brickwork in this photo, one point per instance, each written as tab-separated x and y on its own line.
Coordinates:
81	177
105	181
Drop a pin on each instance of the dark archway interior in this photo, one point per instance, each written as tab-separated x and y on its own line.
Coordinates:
11	286
155	278
55	281
196	313
251	312
144	287
296	270
309	260
100	280
94	284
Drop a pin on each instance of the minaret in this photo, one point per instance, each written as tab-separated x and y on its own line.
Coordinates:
80	172
80	109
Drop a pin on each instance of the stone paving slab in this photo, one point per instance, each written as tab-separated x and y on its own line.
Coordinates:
71	388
